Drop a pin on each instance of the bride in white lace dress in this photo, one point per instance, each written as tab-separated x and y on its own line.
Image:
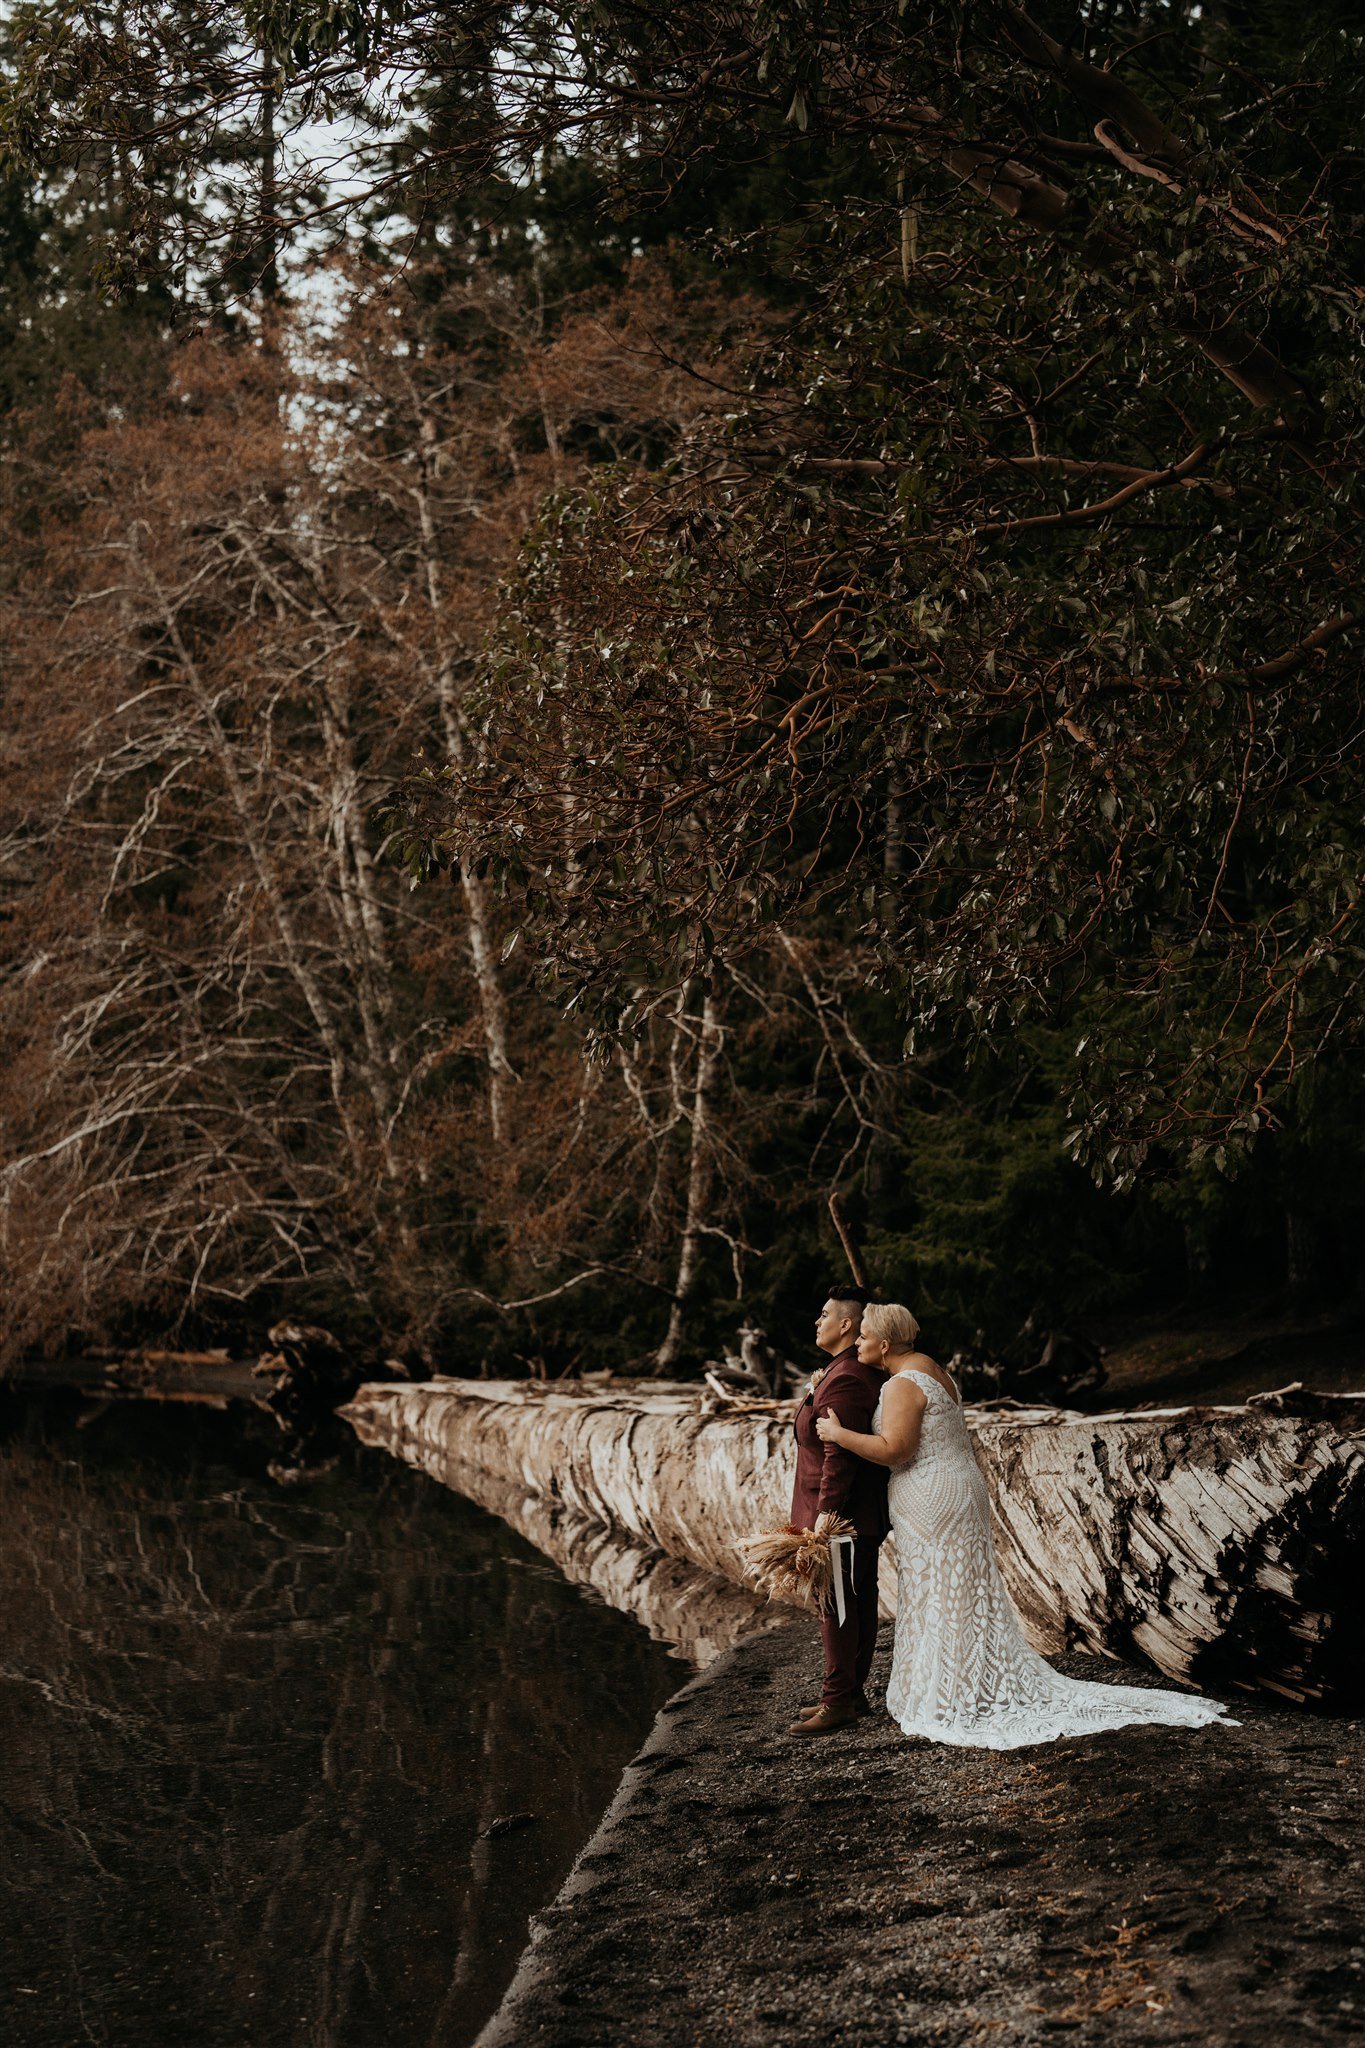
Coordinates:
961	1670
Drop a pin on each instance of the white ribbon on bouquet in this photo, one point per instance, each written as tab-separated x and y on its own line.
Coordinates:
836	1543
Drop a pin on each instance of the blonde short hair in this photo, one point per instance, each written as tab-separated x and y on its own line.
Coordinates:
892	1323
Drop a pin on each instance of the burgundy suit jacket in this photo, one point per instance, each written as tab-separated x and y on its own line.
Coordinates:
829	1478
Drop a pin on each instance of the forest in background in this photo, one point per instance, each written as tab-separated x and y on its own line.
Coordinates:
712	642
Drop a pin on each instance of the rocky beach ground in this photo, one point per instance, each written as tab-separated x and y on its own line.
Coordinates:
1149	1885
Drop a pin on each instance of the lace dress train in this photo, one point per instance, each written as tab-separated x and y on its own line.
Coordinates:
962	1671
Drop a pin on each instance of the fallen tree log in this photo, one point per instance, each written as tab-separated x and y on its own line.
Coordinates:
1222	1545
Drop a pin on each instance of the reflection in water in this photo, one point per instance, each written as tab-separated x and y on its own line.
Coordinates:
695	1612
249	1738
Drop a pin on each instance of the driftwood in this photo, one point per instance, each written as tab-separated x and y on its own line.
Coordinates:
756	1369
1220	1544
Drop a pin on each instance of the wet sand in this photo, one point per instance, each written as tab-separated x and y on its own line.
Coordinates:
1147	1885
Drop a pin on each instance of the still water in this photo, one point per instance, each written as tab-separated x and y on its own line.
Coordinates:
250	1738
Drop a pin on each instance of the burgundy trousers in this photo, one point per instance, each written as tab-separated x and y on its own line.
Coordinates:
849	1646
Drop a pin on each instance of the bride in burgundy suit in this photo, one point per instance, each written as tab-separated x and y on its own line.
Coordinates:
962	1671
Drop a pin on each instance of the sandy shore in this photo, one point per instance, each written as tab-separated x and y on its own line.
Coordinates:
1148	1885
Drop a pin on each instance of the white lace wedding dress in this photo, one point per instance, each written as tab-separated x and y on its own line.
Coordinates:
961	1670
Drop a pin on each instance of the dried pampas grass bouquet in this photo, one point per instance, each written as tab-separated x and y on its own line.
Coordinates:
795	1564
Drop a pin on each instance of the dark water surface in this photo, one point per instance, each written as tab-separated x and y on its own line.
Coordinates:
249	1737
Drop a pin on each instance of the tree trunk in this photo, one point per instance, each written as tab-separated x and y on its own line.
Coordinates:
1302	1254
699	1171
256	841
270	226
492	1001
893	839
487	980
1222	1545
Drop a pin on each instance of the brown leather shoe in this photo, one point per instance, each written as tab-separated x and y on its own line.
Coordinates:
823	1721
861	1705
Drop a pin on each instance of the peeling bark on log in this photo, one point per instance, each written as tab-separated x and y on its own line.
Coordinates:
1220	1544
644	1462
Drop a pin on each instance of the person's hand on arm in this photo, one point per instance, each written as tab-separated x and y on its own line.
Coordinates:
840	1466
837	1473
903	1406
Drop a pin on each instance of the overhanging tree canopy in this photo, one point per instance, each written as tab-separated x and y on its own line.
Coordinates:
1012	615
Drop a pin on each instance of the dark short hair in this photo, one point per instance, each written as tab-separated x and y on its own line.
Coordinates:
857	1297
